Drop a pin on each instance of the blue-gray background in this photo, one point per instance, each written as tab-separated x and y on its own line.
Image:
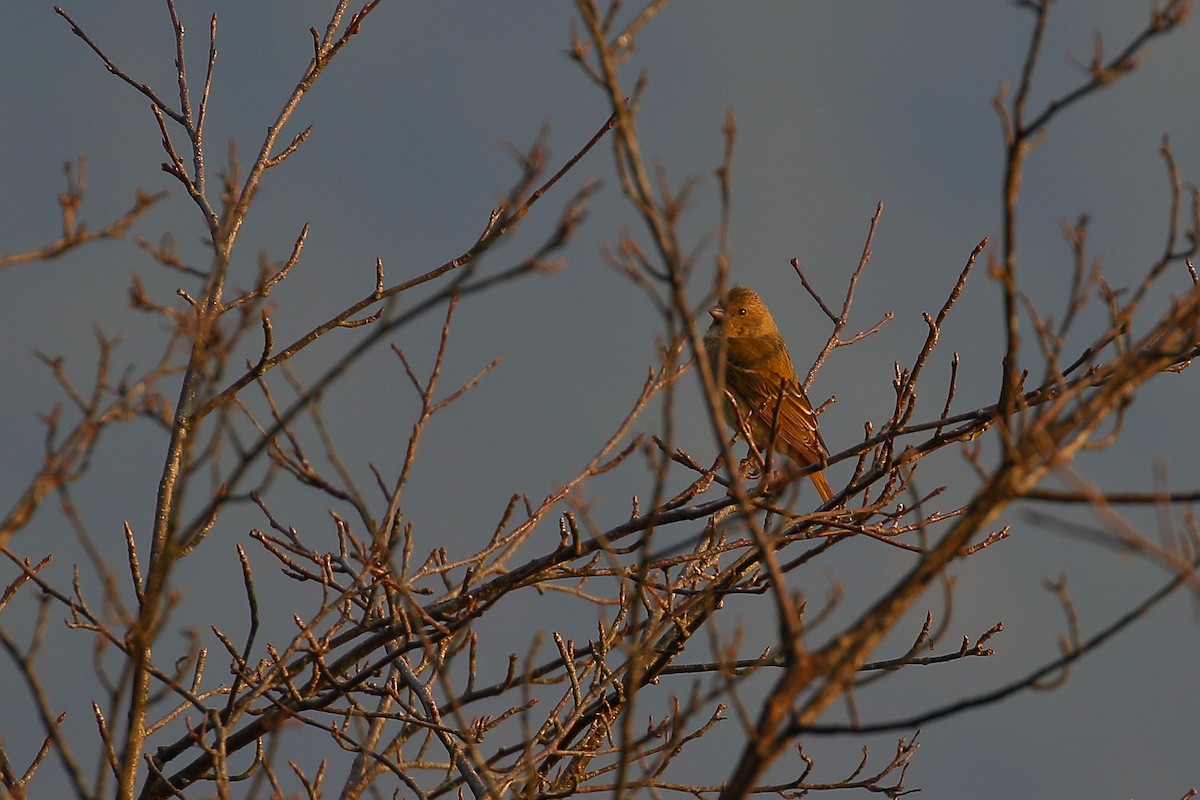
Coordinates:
838	107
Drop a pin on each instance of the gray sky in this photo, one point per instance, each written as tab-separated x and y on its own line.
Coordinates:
839	107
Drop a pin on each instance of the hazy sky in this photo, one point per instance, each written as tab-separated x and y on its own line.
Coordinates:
839	107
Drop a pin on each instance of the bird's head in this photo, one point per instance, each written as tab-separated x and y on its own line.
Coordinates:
742	314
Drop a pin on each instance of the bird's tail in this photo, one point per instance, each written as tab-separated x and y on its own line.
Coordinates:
818	479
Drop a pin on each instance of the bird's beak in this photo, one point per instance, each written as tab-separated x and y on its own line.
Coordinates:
717	313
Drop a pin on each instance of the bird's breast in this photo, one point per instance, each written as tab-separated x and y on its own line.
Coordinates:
747	352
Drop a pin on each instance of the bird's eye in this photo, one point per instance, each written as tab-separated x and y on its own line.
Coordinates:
741	312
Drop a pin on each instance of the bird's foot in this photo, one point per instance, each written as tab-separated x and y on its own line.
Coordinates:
749	469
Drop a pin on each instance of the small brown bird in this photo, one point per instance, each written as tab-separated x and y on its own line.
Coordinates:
760	376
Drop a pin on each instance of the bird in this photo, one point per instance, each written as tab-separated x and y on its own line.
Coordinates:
762	382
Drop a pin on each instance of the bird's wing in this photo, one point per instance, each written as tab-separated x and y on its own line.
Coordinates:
777	400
